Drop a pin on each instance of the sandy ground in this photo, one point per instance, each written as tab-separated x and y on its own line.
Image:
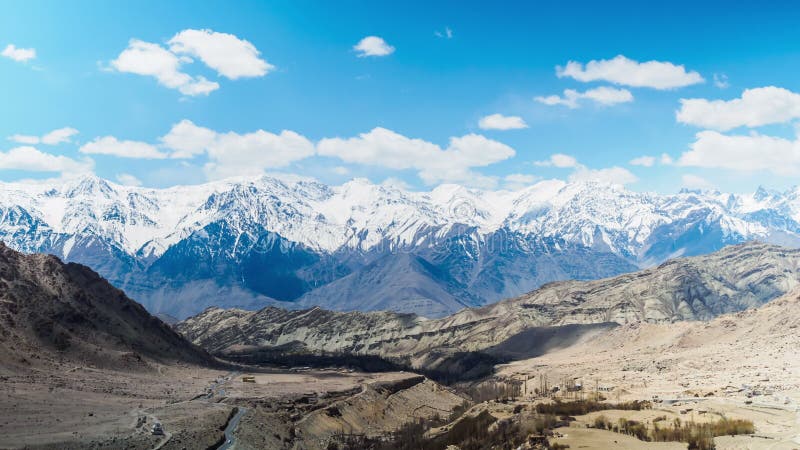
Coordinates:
279	384
592	439
743	365
82	407
304	410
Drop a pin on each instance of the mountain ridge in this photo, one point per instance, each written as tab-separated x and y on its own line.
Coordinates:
56	312
697	288
251	242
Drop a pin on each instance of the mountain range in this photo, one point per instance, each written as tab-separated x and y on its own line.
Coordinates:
698	288
295	243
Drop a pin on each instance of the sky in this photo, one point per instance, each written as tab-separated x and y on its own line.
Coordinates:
496	95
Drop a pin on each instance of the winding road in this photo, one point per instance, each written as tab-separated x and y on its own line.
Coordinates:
230	440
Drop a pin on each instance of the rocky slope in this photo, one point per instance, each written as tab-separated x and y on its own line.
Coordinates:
697	288
756	348
51	312
249	243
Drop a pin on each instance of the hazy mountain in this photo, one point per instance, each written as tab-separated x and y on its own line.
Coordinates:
731	280
248	243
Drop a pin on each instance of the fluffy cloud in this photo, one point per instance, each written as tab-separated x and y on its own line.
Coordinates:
559	160
233	154
613	175
109	145
128	179
249	154
30	159
230	56
373	46
627	72
186	140
602	95
396	183
19	54
756	107
501	122
748	153
644	161
690	181
516	181
650	161
721	81
54	137
382	147
148	59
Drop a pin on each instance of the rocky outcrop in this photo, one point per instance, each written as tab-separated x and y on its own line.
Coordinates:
51	311
697	288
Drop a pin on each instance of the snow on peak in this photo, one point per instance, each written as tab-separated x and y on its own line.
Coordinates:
360	214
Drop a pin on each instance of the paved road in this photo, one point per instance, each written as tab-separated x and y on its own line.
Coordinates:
230	439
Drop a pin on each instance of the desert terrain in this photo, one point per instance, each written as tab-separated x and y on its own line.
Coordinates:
85	407
83	366
742	365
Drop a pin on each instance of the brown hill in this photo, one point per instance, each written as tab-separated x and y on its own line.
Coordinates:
54	313
685	289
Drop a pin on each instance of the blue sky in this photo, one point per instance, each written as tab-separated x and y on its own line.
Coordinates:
424	90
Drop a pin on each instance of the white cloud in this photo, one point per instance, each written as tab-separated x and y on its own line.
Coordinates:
644	161
517	181
396	183
54	137
59	136
200	86
148	59
721	80
188	140
627	72
31	159
613	175
501	122
340	170
373	46
230	56
559	160
109	145
602	95
382	147
25	139
747	153
128	179
756	107
233	154
690	181
446	34
19	54
650	161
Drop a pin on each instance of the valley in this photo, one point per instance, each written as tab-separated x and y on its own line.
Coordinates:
86	367
317	225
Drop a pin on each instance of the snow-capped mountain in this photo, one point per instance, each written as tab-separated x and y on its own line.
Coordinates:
250	242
